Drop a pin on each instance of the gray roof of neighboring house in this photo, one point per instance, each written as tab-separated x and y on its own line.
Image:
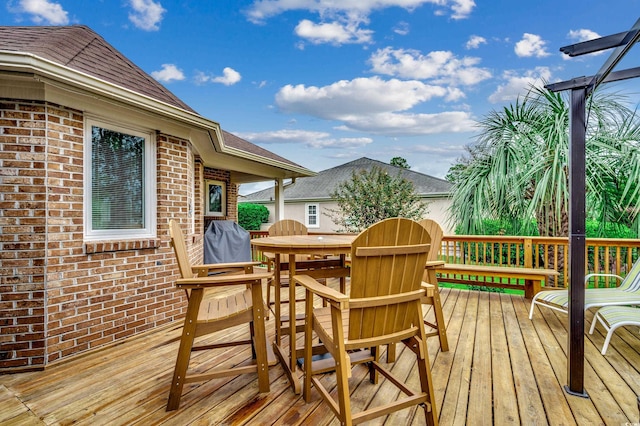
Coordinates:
320	186
79	48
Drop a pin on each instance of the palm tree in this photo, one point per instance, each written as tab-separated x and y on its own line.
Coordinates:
518	169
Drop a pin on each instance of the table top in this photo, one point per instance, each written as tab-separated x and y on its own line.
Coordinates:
293	243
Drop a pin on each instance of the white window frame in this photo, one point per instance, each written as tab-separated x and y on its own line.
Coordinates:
150	200
307	215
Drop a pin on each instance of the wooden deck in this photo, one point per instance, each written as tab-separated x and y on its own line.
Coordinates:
502	368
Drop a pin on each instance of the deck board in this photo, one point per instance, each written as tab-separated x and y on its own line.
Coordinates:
502	368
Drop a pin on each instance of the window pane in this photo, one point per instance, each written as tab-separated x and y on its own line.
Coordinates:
117	186
312	217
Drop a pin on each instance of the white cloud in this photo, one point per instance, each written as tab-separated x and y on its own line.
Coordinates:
582	35
332	32
402	28
342	21
229	77
375	106
305	137
518	85
462	8
475	41
168	73
146	14
43	12
441	66
531	45
261	10
412	124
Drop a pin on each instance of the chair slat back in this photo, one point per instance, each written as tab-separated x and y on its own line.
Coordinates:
180	249
631	281
287	227
436	234
387	263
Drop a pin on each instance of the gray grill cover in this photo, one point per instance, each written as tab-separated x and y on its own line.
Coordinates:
225	241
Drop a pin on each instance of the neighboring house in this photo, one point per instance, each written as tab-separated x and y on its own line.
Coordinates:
95	158
308	199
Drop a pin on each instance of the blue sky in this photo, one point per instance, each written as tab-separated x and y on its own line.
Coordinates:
323	82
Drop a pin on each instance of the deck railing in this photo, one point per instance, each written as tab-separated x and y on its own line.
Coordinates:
604	255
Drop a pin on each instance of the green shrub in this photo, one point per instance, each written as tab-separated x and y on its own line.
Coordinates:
251	216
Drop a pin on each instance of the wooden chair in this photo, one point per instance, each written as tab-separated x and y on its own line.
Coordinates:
208	313
312	264
384	306
433	297
439	328
281	227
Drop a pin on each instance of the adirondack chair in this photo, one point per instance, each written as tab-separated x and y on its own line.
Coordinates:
626	294
432	297
439	328
281	227
308	262
208	313
383	307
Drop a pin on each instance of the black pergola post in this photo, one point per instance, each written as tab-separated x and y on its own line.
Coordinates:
581	88
577	244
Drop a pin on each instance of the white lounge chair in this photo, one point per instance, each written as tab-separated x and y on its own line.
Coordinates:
626	294
612	317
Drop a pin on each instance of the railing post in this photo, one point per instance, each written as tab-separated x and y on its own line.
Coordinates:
528	253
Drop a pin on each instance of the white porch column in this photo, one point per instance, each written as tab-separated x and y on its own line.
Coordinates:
279	206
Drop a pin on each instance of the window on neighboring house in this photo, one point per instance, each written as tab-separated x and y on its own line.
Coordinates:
312	216
119	182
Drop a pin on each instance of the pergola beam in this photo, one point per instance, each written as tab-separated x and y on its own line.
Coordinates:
583	82
596	45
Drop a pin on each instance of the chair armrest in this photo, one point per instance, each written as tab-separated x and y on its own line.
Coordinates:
322	290
434	263
221	280
230	265
587	277
429	289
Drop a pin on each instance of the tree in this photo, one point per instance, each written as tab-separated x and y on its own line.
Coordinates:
251	216
373	195
518	169
400	162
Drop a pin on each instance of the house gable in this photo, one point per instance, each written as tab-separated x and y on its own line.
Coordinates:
320	186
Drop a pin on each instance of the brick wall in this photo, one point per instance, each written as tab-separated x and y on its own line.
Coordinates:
22	233
59	295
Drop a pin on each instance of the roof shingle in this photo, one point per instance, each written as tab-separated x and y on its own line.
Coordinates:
321	186
80	48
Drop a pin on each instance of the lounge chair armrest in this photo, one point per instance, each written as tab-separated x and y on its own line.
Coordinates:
434	263
322	290
221	280
587	277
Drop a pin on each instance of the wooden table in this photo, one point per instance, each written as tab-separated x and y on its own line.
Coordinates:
292	245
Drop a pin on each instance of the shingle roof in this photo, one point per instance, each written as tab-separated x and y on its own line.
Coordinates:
321	186
80	48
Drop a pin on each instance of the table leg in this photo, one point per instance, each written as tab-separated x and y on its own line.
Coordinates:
277	299
293	366
286	357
